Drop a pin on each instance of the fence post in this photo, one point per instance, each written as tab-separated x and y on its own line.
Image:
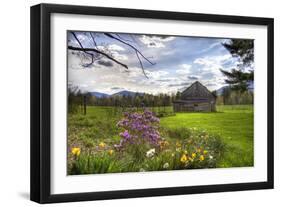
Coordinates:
85	104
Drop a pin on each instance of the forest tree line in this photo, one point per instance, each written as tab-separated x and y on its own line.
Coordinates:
228	97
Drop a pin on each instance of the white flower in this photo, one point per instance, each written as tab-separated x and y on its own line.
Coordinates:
166	165
211	157
142	170
150	153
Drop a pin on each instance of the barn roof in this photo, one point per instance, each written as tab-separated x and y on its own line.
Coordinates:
197	90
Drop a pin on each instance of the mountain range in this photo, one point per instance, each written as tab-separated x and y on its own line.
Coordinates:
120	93
220	90
132	94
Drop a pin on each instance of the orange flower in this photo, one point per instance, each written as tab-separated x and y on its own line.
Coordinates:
163	144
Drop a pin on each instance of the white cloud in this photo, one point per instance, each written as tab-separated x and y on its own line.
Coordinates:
161	79
104	79
111	47
157	74
214	60
114	50
212	64
203	61
185	69
211	47
155	41
115	47
209	69
119	56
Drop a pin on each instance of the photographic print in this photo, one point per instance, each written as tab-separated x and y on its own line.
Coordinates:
123	101
145	102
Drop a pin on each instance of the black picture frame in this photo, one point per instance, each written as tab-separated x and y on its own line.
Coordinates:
41	96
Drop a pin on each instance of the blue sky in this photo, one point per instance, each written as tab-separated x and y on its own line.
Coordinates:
179	61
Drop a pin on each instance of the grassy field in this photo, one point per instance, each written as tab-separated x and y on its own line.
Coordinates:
234	124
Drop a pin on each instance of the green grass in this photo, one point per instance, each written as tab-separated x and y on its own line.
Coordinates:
233	123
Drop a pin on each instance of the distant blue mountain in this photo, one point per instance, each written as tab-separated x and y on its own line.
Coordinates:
98	94
250	88
127	93
220	90
120	93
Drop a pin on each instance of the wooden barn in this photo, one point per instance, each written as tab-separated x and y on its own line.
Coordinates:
195	98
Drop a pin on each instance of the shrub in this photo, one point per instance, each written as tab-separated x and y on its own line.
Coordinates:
139	133
143	146
194	149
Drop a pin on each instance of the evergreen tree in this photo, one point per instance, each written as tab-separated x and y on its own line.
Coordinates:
238	79
244	50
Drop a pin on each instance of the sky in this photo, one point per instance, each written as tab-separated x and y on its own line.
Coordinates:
177	62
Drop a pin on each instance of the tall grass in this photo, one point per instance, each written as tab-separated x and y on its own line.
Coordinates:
231	129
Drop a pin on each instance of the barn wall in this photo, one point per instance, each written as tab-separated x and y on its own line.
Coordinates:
189	107
196	98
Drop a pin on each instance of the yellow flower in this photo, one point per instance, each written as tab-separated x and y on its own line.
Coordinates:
205	152
110	152
101	144
193	155
202	158
178	144
184	158
75	151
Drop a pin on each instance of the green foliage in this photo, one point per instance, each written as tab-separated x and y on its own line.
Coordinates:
238	79
234	97
243	49
177	133
207	150
138	100
229	132
233	123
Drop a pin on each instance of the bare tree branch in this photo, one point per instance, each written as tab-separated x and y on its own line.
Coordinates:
141	65
111	36
93	39
97	51
121	38
92	55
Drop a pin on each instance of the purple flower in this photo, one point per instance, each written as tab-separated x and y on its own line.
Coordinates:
139	127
